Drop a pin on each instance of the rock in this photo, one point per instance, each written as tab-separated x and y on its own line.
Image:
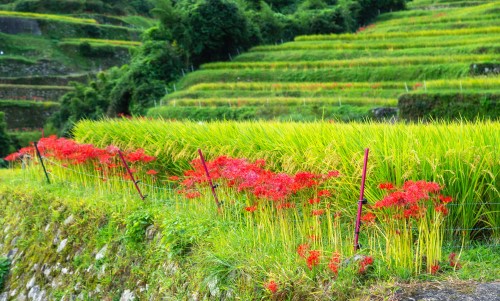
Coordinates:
31	283
127	296
3	297
100	255
385	113
12	253
62	245
14	241
69	220
56	238
47	271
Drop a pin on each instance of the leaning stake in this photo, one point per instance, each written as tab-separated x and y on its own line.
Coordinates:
130	174
209	179
361	201
41	161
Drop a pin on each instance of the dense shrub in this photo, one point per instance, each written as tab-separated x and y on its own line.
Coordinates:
288	113
449	106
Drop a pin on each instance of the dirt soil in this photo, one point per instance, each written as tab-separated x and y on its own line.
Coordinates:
448	291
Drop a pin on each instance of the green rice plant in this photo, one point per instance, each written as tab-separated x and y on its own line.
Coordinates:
423	42
60	18
282	101
412	60
441	26
347	74
441	152
469	83
101	41
422	33
318	55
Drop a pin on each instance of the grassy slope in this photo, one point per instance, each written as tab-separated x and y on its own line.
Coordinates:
153	244
438	44
32	62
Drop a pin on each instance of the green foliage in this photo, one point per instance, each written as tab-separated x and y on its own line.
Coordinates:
285	113
449	106
216	28
4	271
117	7
136	225
27	114
5	141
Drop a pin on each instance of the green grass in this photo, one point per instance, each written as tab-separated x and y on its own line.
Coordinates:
317	55
422	33
101	41
282	101
222	252
424	42
347	74
353	63
59	18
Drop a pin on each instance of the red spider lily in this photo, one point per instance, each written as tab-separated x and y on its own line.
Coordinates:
192	195
386	186
453	263
152	172
173	178
333	174
318	212
445	199
414	211
368	218
285	206
13	157
272	286
251	208
302	250
434	269
334	263
139	155
365	264
313	259
314	201
324	193
442	209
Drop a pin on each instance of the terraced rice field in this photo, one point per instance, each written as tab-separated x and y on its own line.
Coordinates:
358	72
42	53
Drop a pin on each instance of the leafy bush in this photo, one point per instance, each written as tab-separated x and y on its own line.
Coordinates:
4	137
449	106
4	271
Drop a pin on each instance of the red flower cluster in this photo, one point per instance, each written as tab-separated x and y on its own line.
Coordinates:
70	152
251	208
302	250
313	259
253	178
453	263
434	269
364	264
368	218
334	263
272	286
414	199
75	153
387	186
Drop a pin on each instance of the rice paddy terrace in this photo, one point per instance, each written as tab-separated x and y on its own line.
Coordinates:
40	53
434	48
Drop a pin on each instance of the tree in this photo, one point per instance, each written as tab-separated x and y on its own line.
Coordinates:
217	28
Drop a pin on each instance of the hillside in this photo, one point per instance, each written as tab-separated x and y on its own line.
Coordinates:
44	48
444	55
